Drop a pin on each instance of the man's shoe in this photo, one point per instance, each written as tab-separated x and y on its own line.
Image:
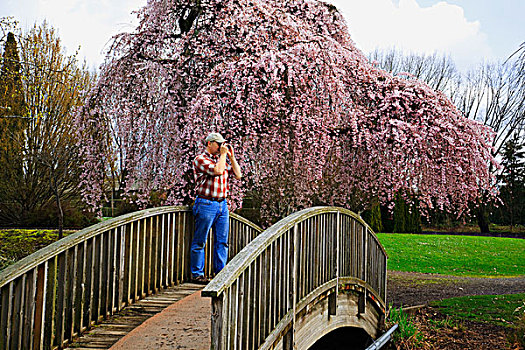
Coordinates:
200	280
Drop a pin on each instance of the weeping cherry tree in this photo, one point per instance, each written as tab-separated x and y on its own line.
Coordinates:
311	119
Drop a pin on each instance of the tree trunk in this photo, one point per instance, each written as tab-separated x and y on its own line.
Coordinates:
483	218
60	212
60	218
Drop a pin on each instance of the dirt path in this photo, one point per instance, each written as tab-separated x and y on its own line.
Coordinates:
411	288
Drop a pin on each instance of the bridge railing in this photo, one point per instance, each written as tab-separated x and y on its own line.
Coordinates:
256	296
60	291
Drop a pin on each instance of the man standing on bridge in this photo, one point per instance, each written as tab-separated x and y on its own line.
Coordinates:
210	210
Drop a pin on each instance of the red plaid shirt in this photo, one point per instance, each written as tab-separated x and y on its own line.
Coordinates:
207	183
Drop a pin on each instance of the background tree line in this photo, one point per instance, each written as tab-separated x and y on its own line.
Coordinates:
40	88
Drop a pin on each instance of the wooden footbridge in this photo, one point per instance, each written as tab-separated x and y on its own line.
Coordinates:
313	272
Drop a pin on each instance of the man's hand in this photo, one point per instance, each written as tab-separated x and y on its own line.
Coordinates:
235	166
224	149
230	152
221	164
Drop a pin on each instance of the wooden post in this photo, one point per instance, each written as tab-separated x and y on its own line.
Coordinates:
234	320
169	249
90	268
280	279
126	295
288	341
49	309
40	307
27	330
226	320
134	268
61	297
70	293
217	323
18	305
385	277
294	284
113	272
332	302
179	264
97	277
254	324
7	301
247	313
121	241
239	322
271	285
262	297
149	256
162	253
80	287
187	235
106	274
158	253
141	258
361	305
365	254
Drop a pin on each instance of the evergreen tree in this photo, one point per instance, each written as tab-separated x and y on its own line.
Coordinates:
387	219
400	211
407	217
372	216
375	217
11	93
12	123
413	215
512	191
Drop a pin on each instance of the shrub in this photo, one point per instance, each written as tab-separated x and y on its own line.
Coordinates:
75	217
518	336
17	244
407	335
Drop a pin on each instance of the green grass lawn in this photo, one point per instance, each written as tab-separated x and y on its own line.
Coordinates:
455	255
503	310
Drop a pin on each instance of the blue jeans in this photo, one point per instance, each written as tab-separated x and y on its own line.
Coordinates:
209	214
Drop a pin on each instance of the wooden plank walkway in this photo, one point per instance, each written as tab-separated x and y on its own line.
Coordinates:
182	325
104	335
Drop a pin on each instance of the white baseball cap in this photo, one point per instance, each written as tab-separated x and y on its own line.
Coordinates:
215	136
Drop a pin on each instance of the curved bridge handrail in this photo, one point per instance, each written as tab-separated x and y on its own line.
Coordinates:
281	267
51	296
246	256
73	239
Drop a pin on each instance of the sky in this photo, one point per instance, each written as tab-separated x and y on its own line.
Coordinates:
470	31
